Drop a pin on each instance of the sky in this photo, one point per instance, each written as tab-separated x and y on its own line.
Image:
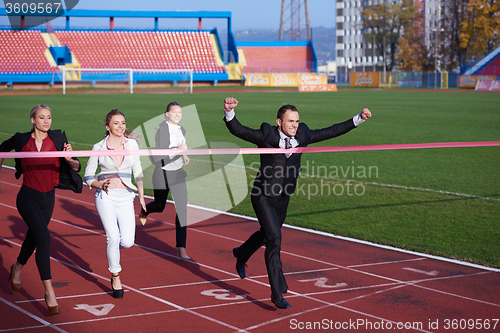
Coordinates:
252	14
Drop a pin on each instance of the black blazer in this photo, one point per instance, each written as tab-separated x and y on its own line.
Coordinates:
162	141
277	174
68	179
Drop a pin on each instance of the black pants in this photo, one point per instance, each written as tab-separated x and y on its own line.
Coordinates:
36	210
271	213
175	181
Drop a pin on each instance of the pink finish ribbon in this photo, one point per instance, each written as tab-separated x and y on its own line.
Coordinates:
245	151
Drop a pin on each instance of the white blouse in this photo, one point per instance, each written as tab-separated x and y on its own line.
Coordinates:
176	138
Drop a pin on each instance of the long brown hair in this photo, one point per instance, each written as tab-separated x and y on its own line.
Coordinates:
35	109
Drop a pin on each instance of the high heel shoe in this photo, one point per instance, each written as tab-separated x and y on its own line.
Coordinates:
14	286
117	293
180	255
143	216
53	310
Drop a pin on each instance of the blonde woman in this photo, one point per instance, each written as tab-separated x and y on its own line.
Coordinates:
36	198
114	197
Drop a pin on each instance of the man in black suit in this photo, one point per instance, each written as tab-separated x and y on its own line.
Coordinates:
275	182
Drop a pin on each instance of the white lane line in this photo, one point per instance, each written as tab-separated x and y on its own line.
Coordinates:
424	255
235	275
126	286
386	263
293	293
386	247
429	273
29	314
178	307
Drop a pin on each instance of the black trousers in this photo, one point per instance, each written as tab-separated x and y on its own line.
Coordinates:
271	213
164	182
36	210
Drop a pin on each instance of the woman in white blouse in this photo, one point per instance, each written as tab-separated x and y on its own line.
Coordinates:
114	196
169	175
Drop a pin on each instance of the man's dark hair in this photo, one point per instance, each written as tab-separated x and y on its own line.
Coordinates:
284	108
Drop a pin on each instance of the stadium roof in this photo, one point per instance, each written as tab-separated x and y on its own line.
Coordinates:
131	13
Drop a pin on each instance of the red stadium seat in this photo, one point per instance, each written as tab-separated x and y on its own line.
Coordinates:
98	49
23	52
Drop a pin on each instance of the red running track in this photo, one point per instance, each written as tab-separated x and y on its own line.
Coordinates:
336	284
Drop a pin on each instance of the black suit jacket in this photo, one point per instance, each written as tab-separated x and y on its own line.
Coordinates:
68	179
277	174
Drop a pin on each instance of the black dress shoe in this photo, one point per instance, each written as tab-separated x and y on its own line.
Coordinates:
280	303
240	266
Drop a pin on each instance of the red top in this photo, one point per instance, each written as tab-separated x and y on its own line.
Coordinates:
41	174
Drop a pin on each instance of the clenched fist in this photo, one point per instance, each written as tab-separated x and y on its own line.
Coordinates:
230	103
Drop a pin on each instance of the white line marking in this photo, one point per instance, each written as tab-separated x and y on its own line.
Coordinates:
431	190
178	307
353	240
320	282
69	297
454	261
29	314
258	282
430	273
96	310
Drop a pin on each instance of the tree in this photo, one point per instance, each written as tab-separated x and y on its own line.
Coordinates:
385	23
468	30
480	31
409	53
451	52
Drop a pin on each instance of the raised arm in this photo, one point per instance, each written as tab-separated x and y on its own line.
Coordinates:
340	128
235	127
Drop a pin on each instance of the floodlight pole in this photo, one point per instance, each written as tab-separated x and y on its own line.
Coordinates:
291	11
374	51
436	61
384	58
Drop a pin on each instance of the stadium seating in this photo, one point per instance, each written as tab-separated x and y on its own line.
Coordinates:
493	68
292	59
23	52
143	50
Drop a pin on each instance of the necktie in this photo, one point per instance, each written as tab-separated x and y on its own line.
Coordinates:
287	146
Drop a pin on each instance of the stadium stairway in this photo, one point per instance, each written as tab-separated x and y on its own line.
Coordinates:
488	65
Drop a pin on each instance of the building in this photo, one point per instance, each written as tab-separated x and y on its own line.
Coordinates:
354	52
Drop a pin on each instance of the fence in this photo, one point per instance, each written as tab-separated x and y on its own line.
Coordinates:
426	80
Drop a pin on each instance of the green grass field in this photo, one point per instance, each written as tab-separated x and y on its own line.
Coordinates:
439	201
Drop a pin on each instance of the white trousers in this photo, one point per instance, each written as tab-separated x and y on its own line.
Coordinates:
116	210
